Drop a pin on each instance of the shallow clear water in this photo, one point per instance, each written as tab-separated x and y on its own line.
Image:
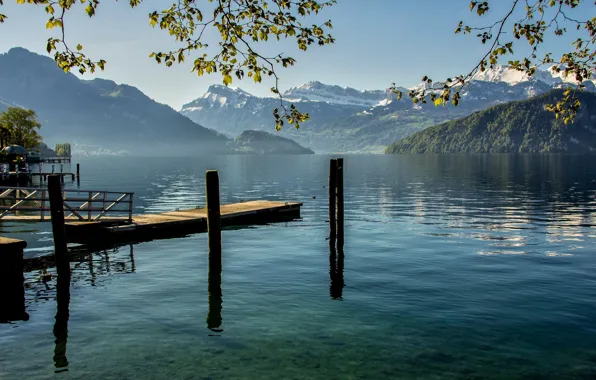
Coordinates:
456	267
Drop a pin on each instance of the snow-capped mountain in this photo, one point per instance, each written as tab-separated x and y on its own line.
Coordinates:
346	119
510	76
319	92
233	111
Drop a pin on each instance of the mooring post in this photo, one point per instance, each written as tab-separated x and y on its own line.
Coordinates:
332	201
213	215
57	214
340	204
12	288
78	175
214	232
53	167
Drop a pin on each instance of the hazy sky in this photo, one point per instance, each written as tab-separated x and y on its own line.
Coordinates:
378	42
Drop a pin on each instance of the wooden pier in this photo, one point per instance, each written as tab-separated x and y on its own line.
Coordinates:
179	223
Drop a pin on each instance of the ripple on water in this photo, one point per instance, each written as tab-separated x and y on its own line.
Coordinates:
453	267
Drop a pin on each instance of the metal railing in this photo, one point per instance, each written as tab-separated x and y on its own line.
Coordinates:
83	205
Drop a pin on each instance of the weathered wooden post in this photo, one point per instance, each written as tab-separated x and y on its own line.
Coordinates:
213	215
57	214
12	289
340	204
78	175
332	201
214	232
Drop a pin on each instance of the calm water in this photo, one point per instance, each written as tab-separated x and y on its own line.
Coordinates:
455	268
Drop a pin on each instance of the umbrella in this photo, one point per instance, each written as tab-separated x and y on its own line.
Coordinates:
15	150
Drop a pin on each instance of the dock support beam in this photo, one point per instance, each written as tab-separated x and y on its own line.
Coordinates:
214	232
12	289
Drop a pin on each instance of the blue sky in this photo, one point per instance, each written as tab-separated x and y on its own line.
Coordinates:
378	42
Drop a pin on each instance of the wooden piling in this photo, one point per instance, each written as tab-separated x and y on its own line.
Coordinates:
12	289
340	203
214	232
213	215
78	175
57	214
332	201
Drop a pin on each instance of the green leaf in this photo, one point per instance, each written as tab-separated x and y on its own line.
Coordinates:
227	79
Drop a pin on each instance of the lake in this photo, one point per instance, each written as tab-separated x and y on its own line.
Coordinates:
456	267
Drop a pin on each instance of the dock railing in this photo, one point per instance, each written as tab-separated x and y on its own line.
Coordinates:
29	203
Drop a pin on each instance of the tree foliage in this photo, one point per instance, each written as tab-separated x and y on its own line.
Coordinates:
20	126
243	24
541	19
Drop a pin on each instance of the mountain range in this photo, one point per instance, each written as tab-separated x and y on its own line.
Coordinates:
517	127
97	112
349	120
100	113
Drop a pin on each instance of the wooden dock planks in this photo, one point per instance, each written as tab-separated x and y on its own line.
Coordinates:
179	223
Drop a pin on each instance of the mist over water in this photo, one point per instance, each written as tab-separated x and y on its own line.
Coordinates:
477	267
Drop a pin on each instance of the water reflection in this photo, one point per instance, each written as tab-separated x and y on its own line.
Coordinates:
62	316
336	271
214	319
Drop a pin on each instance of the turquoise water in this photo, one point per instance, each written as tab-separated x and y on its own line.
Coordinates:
456	267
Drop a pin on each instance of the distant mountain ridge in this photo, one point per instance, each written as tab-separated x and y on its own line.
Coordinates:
98	112
350	120
319	92
516	127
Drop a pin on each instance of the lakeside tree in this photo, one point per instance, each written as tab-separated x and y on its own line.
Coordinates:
243	24
20	127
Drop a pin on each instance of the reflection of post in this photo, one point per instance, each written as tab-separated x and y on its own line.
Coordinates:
214	232
132	259
215	298
336	271
62	315
91	269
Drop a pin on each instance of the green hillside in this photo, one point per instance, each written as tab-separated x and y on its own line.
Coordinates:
515	127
